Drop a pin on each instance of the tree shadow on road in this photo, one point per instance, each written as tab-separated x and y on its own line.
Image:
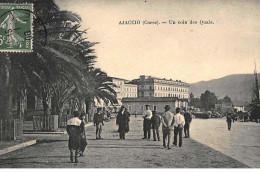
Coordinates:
17	158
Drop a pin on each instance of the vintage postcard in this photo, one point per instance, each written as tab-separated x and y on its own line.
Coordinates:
129	84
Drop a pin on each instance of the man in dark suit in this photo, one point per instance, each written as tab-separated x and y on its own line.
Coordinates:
156	122
122	121
229	120
98	122
188	119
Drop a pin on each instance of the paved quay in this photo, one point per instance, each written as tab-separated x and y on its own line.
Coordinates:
52	152
241	143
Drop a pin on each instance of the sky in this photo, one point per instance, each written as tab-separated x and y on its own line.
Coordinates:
187	52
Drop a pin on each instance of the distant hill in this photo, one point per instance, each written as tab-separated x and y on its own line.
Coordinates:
239	87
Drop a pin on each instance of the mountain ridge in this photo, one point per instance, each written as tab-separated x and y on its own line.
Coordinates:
239	87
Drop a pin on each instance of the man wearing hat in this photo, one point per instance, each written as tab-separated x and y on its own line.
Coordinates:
188	119
147	115
98	122
122	121
179	122
156	122
167	126
229	119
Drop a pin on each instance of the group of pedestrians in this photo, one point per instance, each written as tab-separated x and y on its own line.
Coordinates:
171	124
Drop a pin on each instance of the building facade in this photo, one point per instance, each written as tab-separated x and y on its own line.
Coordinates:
137	105
124	89
149	86
224	107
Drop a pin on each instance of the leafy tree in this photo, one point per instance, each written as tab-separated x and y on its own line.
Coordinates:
194	101
208	100
226	99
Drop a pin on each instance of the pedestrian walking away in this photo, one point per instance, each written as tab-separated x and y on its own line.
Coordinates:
156	122
167	126
98	122
83	140
179	122
147	116
75	128
128	120
233	118
122	120
188	119
229	120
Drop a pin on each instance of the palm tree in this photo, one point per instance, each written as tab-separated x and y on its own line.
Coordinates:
40	66
5	87
101	89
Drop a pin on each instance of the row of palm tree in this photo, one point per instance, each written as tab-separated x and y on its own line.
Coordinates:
61	66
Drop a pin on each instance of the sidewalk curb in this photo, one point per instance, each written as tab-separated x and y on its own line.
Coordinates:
16	147
54	133
31	142
58	133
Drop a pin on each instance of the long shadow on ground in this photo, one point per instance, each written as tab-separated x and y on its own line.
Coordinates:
144	154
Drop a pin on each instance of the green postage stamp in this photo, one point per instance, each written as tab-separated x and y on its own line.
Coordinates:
16	32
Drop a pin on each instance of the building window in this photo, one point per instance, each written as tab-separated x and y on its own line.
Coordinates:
150	94
150	87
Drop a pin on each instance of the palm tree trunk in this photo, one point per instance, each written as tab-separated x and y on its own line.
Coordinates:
5	87
21	104
88	106
46	109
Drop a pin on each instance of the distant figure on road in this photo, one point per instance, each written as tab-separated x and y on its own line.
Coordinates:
147	115
83	140
98	122
122	120
128	120
188	119
179	122
135	114
108	115
167	126
75	128
233	118
156	122
229	120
